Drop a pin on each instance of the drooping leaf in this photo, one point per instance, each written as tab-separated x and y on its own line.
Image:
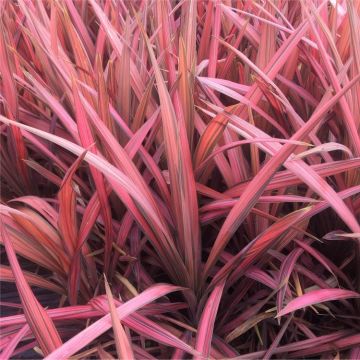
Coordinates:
316	297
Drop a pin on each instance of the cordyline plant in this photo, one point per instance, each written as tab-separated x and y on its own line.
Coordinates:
180	179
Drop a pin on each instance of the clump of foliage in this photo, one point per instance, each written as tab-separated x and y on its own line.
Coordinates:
180	179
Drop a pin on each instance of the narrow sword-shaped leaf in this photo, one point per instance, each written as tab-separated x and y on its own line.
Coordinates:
207	321
84	337
40	323
123	345
315	297
67	209
9	349
182	182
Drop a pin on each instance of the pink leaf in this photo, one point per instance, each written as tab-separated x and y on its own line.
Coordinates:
315	297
